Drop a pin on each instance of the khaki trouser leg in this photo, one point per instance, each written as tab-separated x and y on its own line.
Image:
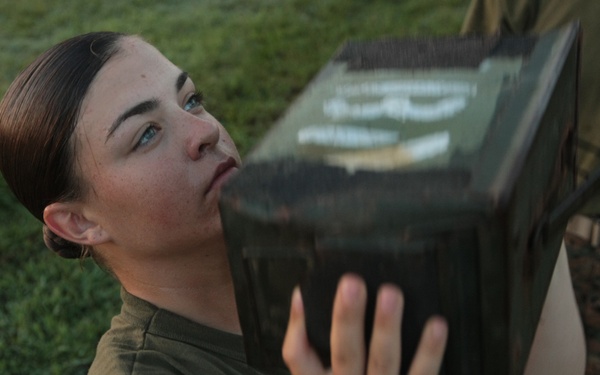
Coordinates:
583	229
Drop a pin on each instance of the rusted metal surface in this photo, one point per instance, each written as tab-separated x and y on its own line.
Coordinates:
441	176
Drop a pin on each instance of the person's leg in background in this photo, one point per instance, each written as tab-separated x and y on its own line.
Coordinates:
583	233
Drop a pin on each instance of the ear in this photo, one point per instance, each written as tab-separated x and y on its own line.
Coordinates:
68	221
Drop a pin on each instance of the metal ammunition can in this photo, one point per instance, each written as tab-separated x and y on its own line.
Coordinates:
437	164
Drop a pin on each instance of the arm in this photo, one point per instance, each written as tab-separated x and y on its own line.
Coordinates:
559	345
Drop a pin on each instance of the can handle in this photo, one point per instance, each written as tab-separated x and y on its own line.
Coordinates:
558	218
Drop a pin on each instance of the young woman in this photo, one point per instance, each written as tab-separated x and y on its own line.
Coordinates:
107	142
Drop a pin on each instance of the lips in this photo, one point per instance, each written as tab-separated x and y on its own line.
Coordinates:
224	170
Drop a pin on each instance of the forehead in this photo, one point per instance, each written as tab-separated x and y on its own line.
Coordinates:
134	56
137	72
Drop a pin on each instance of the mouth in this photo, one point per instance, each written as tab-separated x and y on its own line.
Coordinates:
223	172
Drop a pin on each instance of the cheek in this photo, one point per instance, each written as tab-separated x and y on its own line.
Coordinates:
153	198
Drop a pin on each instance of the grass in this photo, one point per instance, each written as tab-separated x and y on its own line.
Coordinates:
250	58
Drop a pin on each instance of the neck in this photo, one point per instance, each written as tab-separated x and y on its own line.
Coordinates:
197	286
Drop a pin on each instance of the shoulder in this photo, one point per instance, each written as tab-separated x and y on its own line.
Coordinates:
144	339
118	349
155	354
133	350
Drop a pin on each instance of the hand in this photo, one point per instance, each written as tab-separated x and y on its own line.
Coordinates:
348	352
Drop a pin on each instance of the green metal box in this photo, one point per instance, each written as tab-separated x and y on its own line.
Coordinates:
438	164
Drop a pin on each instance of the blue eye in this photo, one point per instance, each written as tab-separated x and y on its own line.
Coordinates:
195	101
147	136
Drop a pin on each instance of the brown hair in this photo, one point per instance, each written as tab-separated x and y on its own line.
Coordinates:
38	115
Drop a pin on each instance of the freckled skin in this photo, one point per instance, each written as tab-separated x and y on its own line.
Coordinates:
150	200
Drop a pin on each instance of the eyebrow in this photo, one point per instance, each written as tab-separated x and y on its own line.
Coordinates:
144	107
183	76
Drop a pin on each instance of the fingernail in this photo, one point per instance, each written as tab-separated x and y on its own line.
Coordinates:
350	290
297	300
439	329
388	300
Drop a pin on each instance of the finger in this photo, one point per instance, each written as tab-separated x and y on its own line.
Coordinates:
347	328
385	346
430	352
297	353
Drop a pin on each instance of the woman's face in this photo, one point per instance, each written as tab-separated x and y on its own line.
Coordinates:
151	157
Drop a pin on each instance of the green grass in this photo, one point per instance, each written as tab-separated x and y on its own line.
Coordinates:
250	58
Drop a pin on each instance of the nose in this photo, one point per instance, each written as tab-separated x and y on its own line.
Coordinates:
203	134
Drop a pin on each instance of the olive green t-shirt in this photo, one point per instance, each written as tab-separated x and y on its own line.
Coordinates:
144	339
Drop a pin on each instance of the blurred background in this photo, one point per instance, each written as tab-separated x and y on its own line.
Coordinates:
250	59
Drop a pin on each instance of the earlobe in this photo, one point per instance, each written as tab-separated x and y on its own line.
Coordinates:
68	222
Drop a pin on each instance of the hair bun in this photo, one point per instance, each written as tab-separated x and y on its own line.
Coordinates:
62	247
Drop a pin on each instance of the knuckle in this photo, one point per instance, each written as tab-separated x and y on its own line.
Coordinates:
382	363
343	359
